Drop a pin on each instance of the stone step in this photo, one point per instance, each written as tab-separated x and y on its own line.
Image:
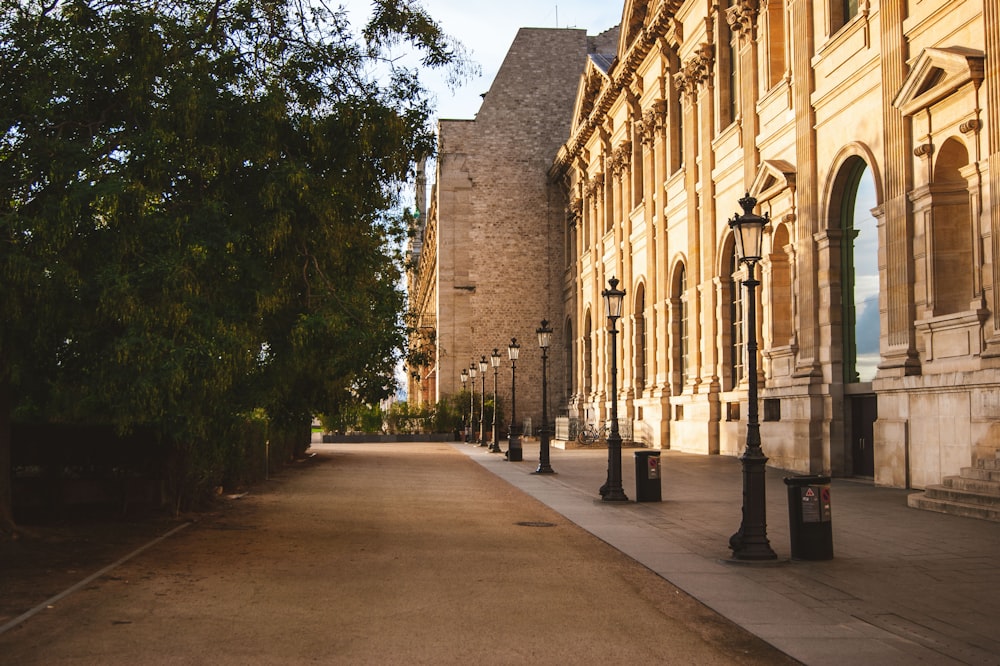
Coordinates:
954	508
964	496
986	486
981	473
989	463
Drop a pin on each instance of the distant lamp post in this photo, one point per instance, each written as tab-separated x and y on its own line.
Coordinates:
750	542
472	402
544	338
514	453
482	402
612	490
495	362
465	378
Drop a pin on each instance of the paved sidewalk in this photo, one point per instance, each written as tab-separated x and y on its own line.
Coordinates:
904	587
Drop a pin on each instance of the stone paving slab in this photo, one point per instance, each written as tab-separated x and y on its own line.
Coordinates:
905	586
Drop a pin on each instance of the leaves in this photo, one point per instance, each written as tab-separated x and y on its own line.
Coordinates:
194	206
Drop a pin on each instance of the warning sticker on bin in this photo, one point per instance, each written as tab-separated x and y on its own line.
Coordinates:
815	505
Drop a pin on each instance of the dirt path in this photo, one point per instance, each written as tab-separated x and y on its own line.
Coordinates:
381	554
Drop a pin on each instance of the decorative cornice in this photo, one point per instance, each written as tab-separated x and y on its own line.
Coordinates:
742	18
662	24
576	208
594	189
621	159
654	120
696	70
970	126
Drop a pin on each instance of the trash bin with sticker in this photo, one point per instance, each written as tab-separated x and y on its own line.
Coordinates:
809	521
647	476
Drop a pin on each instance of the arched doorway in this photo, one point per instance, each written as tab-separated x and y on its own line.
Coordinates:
861	319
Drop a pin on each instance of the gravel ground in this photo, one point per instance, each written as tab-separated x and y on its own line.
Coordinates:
365	554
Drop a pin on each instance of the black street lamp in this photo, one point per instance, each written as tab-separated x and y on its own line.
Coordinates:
612	490
472	402
750	542
482	402
495	362
544	466
514	453
465	378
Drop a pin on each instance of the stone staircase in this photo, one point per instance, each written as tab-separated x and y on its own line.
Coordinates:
975	493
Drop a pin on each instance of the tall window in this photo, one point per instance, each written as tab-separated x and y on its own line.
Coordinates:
640	338
860	275
850	9
568	332
726	67
841	13
952	232
679	330
588	357
775	16
737	334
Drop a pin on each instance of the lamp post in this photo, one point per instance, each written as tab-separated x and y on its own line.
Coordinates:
544	337
514	453
482	402
465	378
750	541
612	490
472	402
495	362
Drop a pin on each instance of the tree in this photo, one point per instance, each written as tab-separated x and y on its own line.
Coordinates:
195	209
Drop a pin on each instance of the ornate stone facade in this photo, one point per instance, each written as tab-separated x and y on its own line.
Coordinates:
864	131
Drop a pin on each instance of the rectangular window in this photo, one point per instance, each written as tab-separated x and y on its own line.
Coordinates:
772	409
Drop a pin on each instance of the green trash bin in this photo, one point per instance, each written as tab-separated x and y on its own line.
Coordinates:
810	524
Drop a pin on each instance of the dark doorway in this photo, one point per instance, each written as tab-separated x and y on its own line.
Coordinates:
864	411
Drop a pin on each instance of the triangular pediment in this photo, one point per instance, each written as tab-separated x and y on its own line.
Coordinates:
635	14
773	177
938	73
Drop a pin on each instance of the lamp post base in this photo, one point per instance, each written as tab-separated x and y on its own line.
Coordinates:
750	541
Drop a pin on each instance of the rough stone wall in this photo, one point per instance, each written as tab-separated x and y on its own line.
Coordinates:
502	224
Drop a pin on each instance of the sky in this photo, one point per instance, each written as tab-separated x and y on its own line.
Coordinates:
487	29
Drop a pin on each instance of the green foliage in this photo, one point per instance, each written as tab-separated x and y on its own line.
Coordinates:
450	414
355	418
193	210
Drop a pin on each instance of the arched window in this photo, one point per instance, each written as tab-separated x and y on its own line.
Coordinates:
568	357
780	306
951	232
736	338
860	274
679	329
588	356
639	362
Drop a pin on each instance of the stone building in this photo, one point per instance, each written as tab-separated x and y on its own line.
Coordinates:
863	129
488	263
